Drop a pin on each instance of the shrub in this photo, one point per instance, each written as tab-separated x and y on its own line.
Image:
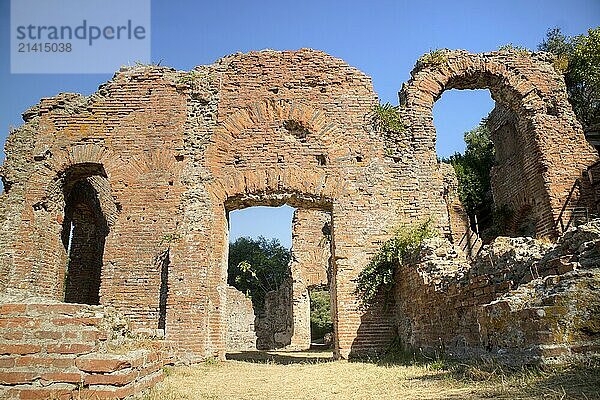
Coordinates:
378	276
385	117
433	58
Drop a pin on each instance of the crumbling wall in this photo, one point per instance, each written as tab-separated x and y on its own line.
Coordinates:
521	301
170	152
59	350
275	322
458	221
544	166
310	267
241	335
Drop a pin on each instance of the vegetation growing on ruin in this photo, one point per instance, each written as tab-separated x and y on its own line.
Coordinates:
257	266
520	50
386	117
377	278
578	58
433	58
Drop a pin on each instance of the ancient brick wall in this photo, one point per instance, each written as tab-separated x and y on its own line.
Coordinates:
520	302
169	153
58	350
241	335
310	267
460	232
527	85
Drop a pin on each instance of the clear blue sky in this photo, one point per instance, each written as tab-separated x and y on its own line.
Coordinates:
381	38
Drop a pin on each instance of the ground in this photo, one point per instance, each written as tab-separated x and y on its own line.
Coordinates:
312	375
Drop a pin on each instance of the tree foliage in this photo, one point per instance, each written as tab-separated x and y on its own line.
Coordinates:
257	266
473	170
378	276
578	58
320	314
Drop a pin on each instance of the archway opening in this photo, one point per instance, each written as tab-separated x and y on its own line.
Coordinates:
84	232
269	303
481	140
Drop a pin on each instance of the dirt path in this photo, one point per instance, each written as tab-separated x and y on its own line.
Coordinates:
285	375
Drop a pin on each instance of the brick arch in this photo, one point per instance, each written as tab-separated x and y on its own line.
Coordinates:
294	182
299	180
270	112
44	268
528	86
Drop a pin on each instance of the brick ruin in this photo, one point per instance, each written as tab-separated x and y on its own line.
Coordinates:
121	199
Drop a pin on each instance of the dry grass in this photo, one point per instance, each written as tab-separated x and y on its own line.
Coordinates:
275	375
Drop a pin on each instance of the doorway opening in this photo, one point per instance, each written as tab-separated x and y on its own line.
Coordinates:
276	254
83	234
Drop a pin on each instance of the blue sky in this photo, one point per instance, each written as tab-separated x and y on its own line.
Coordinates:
381	38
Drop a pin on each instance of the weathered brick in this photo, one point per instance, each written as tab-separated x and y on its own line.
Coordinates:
19	348
15	378
70	348
7	362
103	363
67	377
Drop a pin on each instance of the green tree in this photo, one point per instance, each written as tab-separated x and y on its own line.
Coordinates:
473	170
578	58
257	266
320	314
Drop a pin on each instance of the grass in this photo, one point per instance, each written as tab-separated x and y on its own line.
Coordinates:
275	375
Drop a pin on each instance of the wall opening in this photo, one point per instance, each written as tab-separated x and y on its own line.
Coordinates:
321	321
163	261
260	314
273	278
83	235
481	140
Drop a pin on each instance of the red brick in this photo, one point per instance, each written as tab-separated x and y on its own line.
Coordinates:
19	348
7	362
12	335
19	322
43	393
62	308
69	348
7	309
101	364
44	360
15	378
66	377
117	379
54	335
87	321
117	393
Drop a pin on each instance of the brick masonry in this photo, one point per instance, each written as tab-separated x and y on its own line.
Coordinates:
58	350
168	153
521	301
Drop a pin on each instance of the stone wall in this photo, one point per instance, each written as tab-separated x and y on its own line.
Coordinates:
522	301
241	335
59	350
168	153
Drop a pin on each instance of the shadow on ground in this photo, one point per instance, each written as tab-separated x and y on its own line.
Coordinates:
281	357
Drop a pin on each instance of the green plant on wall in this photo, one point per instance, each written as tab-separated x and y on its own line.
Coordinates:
520	50
378	276
433	58
386	117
